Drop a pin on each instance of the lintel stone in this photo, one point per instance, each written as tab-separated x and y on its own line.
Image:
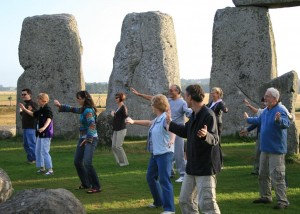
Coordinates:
267	3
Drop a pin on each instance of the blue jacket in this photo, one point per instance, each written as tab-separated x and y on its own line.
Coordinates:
273	134
159	136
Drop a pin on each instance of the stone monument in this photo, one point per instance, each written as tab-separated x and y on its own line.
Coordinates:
145	59
50	53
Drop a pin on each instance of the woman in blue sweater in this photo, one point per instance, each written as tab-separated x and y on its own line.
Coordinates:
87	140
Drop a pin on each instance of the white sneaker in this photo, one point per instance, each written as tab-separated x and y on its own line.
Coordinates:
49	173
179	180
167	212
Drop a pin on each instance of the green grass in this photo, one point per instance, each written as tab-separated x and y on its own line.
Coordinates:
125	189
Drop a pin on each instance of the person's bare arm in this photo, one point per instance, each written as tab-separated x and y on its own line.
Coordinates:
25	110
138	122
252	108
145	96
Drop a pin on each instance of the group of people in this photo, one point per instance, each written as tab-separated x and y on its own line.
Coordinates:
197	164
37	125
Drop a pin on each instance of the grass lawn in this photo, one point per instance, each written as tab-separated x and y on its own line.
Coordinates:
125	189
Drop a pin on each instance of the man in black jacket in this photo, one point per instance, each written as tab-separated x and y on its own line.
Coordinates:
204	158
28	126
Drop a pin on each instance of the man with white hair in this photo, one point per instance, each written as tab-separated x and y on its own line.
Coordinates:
273	137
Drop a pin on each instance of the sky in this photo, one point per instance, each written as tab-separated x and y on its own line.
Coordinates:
99	24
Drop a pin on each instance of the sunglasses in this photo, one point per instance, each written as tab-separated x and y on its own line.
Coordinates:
23	95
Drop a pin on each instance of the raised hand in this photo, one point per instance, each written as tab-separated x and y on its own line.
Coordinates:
246	102
134	91
128	120
22	106
202	132
57	103
277	116
246	115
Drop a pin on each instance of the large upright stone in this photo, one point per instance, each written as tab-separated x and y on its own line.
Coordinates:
267	3
244	58
287	85
146	59
50	53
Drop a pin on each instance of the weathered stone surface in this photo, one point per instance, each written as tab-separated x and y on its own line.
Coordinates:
43	201
287	86
145	59
104	128
6	189
50	53
244	58
267	3
7	132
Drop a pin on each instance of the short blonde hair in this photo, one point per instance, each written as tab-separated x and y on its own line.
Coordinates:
43	97
218	90
160	102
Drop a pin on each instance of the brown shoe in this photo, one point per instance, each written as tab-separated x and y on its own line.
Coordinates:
280	206
262	201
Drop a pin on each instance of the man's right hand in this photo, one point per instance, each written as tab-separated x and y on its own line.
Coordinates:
243	133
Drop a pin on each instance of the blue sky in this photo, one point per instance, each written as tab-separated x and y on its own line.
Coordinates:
99	23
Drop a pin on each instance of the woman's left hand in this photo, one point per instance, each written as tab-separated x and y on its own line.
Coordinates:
41	130
170	143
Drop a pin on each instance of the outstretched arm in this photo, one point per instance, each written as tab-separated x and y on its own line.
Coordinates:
145	96
138	122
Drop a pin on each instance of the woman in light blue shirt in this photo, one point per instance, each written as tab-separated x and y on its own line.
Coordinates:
160	144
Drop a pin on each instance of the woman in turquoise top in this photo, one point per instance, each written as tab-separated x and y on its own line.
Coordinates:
87	140
160	144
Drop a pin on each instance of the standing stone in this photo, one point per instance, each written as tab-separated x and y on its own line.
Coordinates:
145	59
287	85
50	53
6	189
244	58
267	3
43	201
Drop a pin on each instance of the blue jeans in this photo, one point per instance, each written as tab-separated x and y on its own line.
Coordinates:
29	143
42	149
83	163
159	182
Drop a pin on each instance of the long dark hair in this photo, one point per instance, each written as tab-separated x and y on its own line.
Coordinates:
88	100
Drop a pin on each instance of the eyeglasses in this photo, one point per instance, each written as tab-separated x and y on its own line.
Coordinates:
23	95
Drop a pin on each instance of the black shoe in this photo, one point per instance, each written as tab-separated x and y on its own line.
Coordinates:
262	201
280	206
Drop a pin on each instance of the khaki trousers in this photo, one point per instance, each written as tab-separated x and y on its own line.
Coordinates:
272	173
198	191
117	149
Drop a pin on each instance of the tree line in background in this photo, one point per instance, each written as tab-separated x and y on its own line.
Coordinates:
102	87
